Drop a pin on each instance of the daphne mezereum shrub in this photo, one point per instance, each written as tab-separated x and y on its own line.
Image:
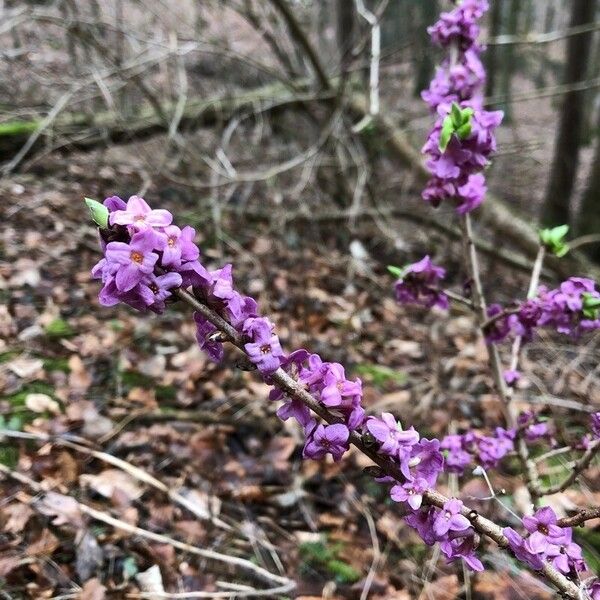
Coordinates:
150	262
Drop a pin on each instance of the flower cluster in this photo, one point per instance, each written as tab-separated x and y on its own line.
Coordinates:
546	541
421	462
327	383
418	284
462	138
450	528
570	309
146	258
474	448
143	253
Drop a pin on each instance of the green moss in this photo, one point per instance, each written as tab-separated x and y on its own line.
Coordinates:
18	127
115	325
57	364
343	572
59	328
7	356
131	379
324	558
380	375
17	400
9	456
165	392
315	552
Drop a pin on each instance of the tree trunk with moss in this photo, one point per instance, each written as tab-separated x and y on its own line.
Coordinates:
568	139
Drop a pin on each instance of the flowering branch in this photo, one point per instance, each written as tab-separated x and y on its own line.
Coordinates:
298	392
149	261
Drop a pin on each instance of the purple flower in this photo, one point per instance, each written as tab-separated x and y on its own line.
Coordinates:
422	460
264	349
561	309
388	432
499	329
419	283
138	214
517	544
456	456
470	194
135	259
297	409
325	439
239	309
594	590
114	203
423	521
336	387
511	376
410	492
533	429
492	449
595	422
543	529
566	555
462	547
207	337
450	519
154	290
179	245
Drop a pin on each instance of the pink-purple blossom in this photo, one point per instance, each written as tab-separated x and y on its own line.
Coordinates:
133	260
460	546
456	165
389	433
449	518
546	542
410	492
327	439
263	349
139	215
419	284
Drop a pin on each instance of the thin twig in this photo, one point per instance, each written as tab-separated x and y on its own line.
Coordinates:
285	584
581	465
132	470
587	514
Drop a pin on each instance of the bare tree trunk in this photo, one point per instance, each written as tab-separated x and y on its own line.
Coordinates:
540	80
428	12
346	28
507	60
589	215
568	139
492	52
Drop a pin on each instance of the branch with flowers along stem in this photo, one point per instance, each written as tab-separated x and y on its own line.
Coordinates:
527	465
298	391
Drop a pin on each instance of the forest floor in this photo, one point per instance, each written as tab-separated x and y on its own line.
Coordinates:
96	400
124	449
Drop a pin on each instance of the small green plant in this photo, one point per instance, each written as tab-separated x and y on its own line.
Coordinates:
324	558
59	328
381	375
